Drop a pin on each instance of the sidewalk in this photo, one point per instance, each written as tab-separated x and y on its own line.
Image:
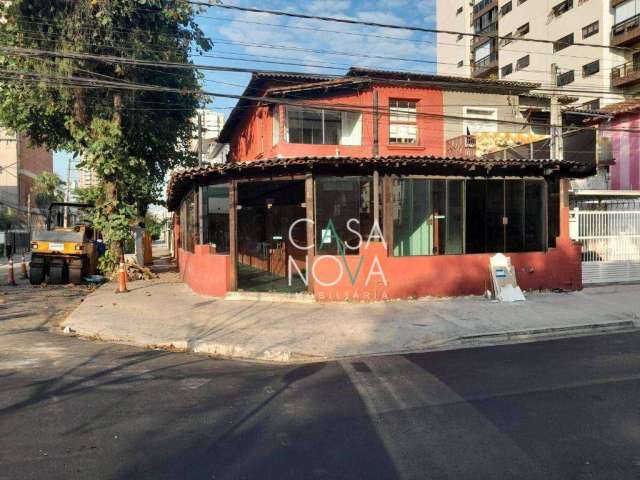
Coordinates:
164	313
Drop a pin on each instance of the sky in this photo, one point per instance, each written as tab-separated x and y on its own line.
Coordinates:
248	40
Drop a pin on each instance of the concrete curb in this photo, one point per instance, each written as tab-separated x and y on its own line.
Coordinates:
283	356
551	332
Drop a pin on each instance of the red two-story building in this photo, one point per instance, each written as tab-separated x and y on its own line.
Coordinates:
343	188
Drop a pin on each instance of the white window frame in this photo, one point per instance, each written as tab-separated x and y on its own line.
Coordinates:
471	119
353	139
411	120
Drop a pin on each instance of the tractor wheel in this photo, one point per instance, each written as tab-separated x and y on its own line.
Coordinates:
36	274
57	267
37	270
75	271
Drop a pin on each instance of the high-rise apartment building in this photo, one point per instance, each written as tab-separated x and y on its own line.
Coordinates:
594	75
87	178
211	123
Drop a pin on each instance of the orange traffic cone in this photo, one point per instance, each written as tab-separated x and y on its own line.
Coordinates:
11	279
122	278
23	268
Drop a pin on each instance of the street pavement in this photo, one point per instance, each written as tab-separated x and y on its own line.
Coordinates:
72	408
165	312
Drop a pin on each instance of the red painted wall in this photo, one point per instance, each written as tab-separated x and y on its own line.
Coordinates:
444	276
253	138
449	275
204	271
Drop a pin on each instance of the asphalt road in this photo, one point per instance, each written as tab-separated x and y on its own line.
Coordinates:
71	408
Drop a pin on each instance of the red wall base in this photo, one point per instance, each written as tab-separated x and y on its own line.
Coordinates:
358	278
440	276
204	271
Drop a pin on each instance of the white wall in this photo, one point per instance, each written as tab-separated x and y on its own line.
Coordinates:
543	24
452	50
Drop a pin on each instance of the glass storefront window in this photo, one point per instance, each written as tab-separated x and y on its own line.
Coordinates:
188	222
216	216
446	217
427	217
346	204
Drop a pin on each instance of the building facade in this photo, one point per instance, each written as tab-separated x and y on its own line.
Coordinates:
595	76
20	164
211	123
350	189
87	178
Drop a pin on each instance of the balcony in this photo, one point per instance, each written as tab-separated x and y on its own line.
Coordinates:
463	146
490	30
625	75
485	66
483	7
627	32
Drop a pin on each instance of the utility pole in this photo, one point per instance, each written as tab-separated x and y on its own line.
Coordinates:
199	139
29	212
556	147
200	191
67	194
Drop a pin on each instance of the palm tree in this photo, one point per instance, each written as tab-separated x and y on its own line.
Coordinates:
47	188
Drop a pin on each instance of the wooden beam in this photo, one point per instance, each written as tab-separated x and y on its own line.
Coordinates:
233	234
375	150
387	216
309	199
376	197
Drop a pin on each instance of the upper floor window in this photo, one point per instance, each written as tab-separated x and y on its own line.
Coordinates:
563	42
403	121
523	62
506	8
323	127
625	11
565	78
590	29
562	7
479	120
523	29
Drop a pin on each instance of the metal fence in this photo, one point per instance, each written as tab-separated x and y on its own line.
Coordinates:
15	242
610	244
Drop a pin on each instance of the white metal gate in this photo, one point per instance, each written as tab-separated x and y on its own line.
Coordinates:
610	244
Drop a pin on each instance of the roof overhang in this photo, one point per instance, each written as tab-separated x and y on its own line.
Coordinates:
181	182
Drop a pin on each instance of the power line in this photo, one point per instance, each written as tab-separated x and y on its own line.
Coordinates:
576	89
387	111
165	64
396	26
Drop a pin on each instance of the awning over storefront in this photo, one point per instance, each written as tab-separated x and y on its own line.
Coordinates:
182	181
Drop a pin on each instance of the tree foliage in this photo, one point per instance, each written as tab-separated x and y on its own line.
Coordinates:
47	188
8	219
128	136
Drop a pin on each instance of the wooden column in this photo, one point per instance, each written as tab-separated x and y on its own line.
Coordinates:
387	216
376	197
375	147
309	199
233	234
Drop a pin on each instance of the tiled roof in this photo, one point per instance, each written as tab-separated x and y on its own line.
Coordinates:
322	85
428	77
182	181
628	106
478	85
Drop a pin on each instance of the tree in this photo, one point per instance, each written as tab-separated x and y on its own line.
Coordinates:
127	133
8	219
46	189
154	225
